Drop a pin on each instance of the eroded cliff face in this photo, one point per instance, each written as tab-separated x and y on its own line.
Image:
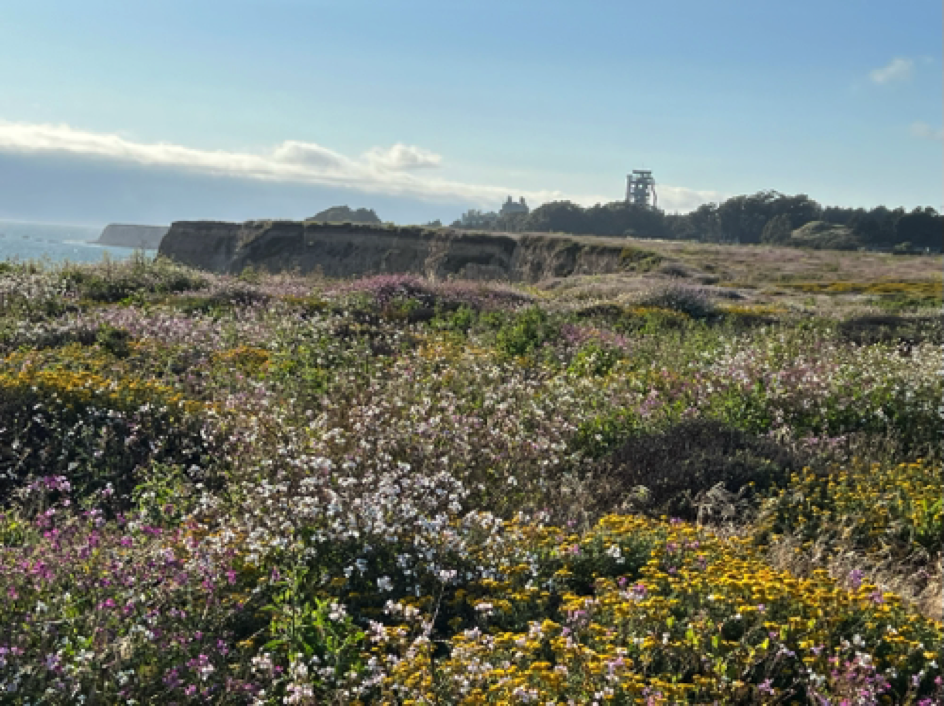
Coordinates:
132	236
357	250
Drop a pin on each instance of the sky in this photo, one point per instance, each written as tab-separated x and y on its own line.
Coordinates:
150	112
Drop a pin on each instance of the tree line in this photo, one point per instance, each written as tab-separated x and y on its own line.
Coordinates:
765	217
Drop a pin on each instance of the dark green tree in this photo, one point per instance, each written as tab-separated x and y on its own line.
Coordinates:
557	217
778	230
345	214
923	228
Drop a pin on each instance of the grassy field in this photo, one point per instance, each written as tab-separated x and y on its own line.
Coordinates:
714	478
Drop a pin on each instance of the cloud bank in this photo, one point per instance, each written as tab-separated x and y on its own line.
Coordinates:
400	170
401	157
898	69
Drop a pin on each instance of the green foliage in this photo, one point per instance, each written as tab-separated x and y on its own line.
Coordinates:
526	332
396	489
309	627
595	359
115	281
680	298
872	329
250	274
764	217
880	509
94	431
345	214
164	494
778	230
114	340
821	235
922	228
459	320
599	435
638	259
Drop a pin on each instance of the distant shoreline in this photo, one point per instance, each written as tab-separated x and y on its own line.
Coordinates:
132	236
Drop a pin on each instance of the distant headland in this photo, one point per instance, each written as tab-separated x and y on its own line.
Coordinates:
132	236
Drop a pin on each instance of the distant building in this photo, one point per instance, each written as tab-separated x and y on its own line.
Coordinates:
510	207
641	189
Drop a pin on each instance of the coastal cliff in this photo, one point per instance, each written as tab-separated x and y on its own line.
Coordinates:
346	250
132	236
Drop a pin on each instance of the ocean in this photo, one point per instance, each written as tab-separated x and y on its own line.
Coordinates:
55	243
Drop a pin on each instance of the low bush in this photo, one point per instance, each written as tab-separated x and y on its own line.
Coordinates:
871	329
690	458
639	259
595	358
690	301
114	281
95	432
526	332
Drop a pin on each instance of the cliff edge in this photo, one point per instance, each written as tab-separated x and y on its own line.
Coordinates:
349	250
132	236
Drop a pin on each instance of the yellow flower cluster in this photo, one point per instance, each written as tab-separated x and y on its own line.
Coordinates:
753	310
447	348
888	508
245	358
81	388
698	618
647	311
926	289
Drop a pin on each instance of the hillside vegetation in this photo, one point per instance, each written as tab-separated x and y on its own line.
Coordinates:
645	487
765	217
346	214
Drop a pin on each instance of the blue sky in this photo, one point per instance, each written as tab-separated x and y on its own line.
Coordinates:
174	109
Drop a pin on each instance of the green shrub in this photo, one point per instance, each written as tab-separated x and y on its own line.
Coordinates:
638	259
526	333
597	436
595	359
871	329
690	301
114	340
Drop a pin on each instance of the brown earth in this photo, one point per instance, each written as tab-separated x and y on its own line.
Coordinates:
351	250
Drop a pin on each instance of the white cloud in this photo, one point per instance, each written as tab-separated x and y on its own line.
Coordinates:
924	131
898	69
402	156
678	198
308	154
380	170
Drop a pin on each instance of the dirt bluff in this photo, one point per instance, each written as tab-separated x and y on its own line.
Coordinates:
345	250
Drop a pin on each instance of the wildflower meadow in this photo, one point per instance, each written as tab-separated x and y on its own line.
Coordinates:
276	489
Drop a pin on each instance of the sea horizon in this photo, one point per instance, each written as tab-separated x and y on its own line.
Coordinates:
23	241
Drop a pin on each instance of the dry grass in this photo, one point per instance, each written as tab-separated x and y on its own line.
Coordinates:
795	278
921	588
